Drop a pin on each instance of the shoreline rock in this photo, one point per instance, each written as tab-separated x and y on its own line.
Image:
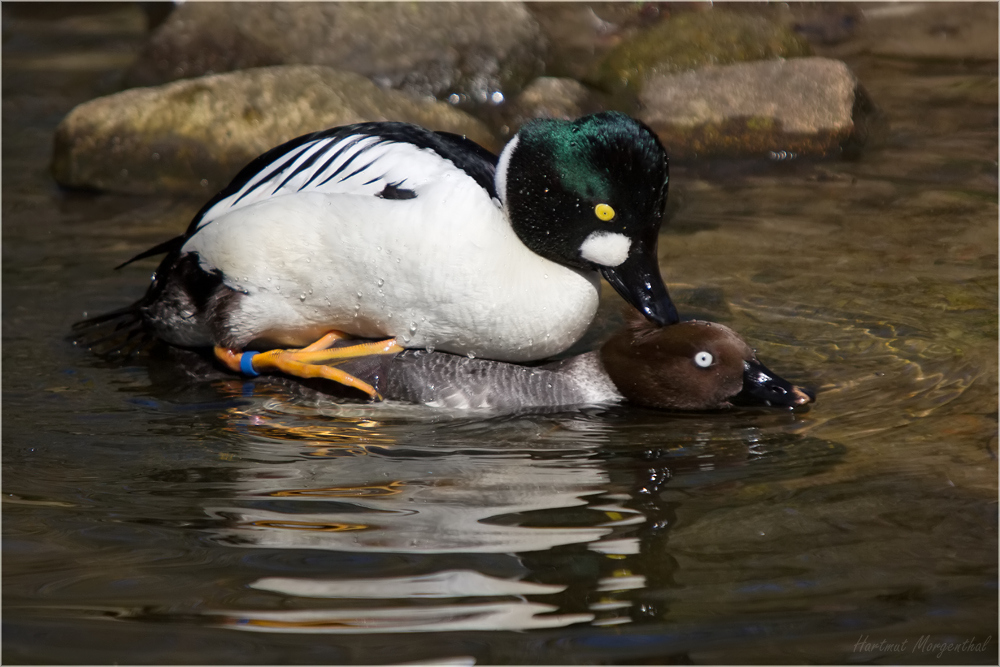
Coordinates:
472	51
194	135
690	40
774	108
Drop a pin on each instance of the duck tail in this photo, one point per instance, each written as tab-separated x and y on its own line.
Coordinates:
120	334
124	333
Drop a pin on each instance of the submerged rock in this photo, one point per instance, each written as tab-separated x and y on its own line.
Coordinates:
469	50
779	108
194	135
691	40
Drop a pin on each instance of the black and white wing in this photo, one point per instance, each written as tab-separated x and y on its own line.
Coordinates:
388	160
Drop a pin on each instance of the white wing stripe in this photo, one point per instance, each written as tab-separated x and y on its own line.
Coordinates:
267	174
331	166
305	160
362	146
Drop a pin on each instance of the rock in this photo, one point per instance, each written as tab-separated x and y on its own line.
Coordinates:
811	106
194	135
965	31
690	40
580	34
551	97
470	50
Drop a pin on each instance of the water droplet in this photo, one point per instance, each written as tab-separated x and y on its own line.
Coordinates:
390	316
430	348
310	290
302	297
471	354
546	276
413	327
277	288
378	247
359	295
381	282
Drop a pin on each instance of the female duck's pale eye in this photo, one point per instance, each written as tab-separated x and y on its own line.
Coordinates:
604	212
703	359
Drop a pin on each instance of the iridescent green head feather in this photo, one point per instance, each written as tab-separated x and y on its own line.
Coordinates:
590	193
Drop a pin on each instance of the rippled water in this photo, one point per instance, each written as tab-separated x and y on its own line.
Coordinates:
152	514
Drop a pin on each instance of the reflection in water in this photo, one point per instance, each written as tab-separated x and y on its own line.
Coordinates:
496	616
512	615
452	583
512	486
428	505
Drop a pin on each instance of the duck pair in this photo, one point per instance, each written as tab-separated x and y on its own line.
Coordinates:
413	239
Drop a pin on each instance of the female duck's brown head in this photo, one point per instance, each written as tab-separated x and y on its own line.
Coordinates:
692	366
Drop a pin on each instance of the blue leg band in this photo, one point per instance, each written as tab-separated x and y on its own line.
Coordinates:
246	364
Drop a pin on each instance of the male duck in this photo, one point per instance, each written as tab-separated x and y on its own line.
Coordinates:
390	231
692	365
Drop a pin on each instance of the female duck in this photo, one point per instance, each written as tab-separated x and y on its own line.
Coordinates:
687	366
390	231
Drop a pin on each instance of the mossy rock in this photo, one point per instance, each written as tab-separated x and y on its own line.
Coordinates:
692	40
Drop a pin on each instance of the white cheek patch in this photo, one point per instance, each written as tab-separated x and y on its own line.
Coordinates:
605	248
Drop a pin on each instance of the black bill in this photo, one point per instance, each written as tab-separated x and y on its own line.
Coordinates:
639	282
763	387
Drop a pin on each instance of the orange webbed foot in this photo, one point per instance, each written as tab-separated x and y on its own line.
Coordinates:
315	360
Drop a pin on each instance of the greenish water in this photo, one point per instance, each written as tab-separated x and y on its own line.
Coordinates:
150	516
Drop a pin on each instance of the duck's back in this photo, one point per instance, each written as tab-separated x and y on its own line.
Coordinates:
450	381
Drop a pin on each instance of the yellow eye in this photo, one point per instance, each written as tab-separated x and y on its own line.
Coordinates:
604	212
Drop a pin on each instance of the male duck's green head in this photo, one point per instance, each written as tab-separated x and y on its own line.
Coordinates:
590	193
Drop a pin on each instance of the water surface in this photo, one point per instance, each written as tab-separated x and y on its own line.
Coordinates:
153	516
